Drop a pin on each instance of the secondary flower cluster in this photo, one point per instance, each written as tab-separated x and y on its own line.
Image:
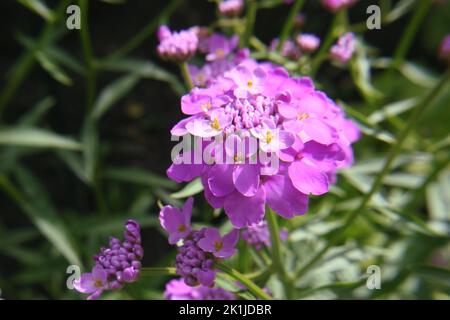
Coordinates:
343	50
304	134
200	249
178	290
304	43
231	8
177	46
115	265
258	235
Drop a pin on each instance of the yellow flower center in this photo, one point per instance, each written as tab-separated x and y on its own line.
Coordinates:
181	228
249	83
302	116
98	283
218	245
215	124
219	53
269	136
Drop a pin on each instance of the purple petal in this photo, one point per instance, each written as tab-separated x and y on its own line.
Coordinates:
231	239
308	179
283	198
319	131
187	210
244	211
246	179
220	179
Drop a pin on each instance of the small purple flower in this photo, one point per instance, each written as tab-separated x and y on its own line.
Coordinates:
93	283
247	82
177	46
307	42
219	46
231	8
177	289
343	50
116	265
444	49
336	5
177	222
220	247
289	49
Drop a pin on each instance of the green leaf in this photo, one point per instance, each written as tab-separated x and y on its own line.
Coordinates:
89	137
36	138
139	177
38	7
361	73
144	69
435	274
392	109
192	188
53	69
34	201
113	93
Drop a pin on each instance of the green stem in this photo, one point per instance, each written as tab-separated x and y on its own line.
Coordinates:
146	32
408	36
332	34
424	104
287	27
186	76
157	271
249	284
88	55
277	259
252	7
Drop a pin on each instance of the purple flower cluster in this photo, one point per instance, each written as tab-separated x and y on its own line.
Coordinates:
258	235
304	43
177	46
200	249
177	289
115	265
231	8
298	127
289	50
221	54
336	5
444	49
343	50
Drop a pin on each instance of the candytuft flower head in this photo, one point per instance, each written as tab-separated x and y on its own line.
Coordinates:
444	49
177	46
176	289
276	141
231	8
177	222
289	49
307	42
114	266
343	50
336	5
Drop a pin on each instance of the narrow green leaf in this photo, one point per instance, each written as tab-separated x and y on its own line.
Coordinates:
38	7
113	93
139	177
36	138
192	188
